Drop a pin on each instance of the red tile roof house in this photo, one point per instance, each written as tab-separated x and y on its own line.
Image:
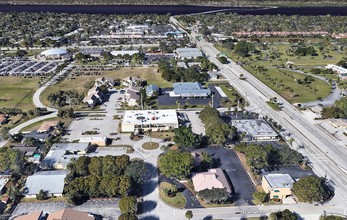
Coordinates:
213	178
3	119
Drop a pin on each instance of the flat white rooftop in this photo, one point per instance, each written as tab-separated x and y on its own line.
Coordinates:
147	117
255	128
279	180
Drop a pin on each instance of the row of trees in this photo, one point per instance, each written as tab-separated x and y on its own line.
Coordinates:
338	110
62	98
101	177
217	130
259	156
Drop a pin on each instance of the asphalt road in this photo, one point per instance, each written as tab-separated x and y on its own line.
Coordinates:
326	154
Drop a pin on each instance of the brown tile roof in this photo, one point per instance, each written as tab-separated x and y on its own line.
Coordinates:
2	118
70	214
46	125
32	216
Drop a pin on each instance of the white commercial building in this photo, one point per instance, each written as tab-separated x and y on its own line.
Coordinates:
338	69
255	129
142	120
55	53
188	53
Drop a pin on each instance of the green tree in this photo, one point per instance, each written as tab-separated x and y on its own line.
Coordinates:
332	217
176	164
10	160
128	204
214	195
185	137
42	195
312	189
244	48
260	197
136	170
285	215
81	166
189	214
128	216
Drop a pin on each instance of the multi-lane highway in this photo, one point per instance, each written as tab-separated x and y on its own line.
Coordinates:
326	154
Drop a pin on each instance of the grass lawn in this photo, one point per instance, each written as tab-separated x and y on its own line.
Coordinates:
274	77
163	135
36	125
178	201
150	146
79	83
17	92
274	106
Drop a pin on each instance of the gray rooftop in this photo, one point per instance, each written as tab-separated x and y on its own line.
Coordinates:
190	89
50	181
188	52
71	147
279	180
255	128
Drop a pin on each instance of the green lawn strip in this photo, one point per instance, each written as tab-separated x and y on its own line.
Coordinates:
274	106
36	125
179	201
150	146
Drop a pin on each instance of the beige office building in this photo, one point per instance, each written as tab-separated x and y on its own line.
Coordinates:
279	186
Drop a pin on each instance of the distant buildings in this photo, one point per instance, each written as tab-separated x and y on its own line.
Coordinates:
188	53
142	120
339	70
213	178
51	182
279	186
189	90
124	52
61	154
54	54
255	130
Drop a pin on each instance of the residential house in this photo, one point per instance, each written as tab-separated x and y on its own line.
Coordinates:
51	182
279	186
213	178
38	215
107	81
3	119
3	181
94	97
47	126
132	96
70	214
132	81
39	136
152	89
60	155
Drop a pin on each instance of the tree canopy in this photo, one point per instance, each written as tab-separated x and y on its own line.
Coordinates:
217	130
128	216
338	110
136	170
214	195
244	48
185	137
176	164
128	204
285	214
312	189
10	160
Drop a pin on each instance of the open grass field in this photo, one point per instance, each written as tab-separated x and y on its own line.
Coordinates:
79	83
284	81
17	92
177	201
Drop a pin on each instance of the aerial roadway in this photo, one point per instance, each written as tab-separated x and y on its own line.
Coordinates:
328	156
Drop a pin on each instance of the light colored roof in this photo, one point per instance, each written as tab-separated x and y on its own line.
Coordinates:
91	139
3	180
123	52
279	180
254	127
50	181
31	216
70	214
54	51
46	125
190	89
70	146
146	117
213	178
152	88
188	52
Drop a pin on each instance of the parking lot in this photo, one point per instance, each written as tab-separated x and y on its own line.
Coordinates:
197	125
238	176
25	67
103	126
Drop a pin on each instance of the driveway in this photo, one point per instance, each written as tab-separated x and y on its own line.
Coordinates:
238	176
